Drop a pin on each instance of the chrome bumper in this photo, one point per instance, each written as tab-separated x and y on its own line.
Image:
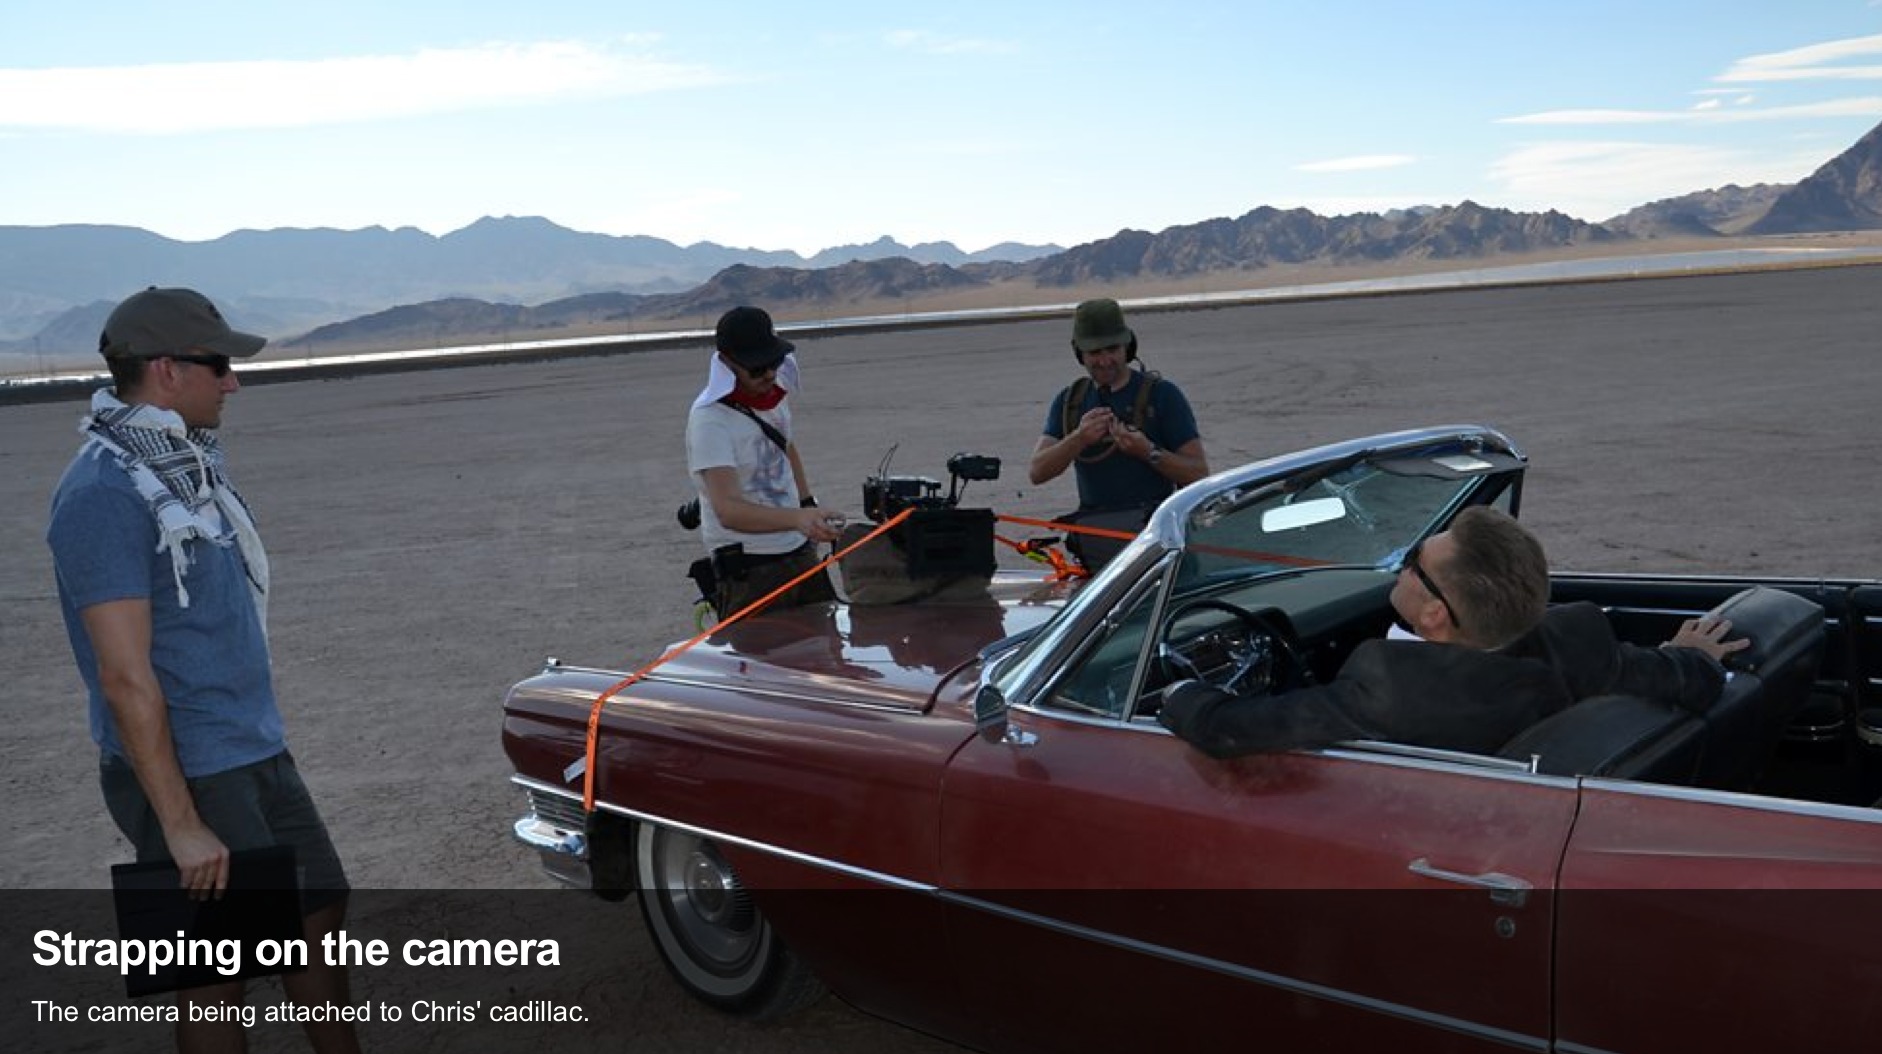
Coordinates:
554	828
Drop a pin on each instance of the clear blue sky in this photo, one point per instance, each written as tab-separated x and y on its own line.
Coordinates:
800	126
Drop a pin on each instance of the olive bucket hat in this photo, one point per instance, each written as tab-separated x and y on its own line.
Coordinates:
1100	324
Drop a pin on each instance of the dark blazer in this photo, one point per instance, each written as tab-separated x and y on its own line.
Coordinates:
1578	641
1434	695
1447	696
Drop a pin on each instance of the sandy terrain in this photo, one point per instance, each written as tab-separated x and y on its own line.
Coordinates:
436	534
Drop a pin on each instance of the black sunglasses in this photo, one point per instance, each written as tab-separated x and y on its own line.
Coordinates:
218	363
1411	563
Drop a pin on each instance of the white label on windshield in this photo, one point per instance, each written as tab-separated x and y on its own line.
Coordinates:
1462	463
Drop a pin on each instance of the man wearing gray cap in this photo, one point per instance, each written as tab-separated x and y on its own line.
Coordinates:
163	583
1128	434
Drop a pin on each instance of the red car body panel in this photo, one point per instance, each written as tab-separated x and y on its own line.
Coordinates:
1290	866
1723	917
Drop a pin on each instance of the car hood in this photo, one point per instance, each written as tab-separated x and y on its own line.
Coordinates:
880	655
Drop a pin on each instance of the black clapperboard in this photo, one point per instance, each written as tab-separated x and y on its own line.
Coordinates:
262	902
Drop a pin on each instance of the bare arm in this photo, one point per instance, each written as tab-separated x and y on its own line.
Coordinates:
798	474
749	517
1184	465
1053	456
120	635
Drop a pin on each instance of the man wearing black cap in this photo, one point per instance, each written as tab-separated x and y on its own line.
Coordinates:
163	583
1129	435
758	518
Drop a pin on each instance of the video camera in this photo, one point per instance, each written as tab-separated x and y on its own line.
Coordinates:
885	495
938	540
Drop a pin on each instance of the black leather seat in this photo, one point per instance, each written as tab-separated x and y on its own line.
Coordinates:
1770	682
1620	736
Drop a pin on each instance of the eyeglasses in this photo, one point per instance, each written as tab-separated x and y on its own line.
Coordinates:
1410	563
755	372
218	363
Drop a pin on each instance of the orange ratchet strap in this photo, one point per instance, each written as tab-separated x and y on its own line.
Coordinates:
594	711
1041	549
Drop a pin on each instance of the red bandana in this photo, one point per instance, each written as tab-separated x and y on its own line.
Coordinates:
766	401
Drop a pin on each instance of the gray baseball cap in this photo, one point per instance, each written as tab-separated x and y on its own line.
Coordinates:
159	322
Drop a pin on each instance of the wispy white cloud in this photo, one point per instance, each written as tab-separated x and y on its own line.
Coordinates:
1824	61
1596	181
1363	163
1863	106
939	44
198	97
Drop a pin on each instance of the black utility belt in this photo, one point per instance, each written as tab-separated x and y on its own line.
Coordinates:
732	561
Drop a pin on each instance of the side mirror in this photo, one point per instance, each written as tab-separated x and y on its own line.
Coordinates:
989	711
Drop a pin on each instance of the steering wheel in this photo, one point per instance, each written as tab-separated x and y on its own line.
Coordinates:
1290	668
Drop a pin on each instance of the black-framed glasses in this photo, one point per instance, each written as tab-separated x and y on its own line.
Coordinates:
754	372
1411	564
218	363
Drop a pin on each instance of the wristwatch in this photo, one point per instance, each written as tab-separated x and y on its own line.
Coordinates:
1156	455
807	502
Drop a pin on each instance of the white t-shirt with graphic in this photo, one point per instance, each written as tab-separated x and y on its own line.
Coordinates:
717	436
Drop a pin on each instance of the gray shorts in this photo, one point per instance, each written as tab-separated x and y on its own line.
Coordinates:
252	807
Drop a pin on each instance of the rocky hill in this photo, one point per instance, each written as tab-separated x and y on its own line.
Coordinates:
1262	238
288	281
1726	210
858	282
1268	236
1844	195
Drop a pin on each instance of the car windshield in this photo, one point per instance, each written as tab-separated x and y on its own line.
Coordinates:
1360	503
1366	512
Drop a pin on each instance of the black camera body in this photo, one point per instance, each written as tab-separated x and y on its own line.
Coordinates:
939	539
884	496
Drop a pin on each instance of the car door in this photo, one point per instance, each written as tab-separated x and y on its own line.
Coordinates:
1111	887
1695	920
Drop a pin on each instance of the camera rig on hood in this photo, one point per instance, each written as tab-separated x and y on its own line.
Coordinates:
939	539
885	495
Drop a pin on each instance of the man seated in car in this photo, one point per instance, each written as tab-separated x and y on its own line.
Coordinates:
1489	658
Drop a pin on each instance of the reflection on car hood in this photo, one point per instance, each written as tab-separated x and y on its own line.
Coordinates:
883	655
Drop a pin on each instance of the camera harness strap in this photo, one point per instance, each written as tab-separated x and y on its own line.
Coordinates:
1071	409
770	433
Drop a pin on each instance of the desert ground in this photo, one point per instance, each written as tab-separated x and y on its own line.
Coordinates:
435	534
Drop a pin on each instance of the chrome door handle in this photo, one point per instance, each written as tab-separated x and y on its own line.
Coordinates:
1018	737
1507	890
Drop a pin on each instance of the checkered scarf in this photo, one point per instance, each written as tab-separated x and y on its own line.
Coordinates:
179	472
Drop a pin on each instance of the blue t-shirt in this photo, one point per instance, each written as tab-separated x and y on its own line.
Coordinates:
1120	481
211	658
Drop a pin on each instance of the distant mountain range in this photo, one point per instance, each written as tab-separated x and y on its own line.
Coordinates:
405	288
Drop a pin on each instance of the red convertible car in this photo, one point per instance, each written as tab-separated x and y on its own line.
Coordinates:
963	815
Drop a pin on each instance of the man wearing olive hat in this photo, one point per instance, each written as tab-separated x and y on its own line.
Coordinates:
163	583
758	518
1128	434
